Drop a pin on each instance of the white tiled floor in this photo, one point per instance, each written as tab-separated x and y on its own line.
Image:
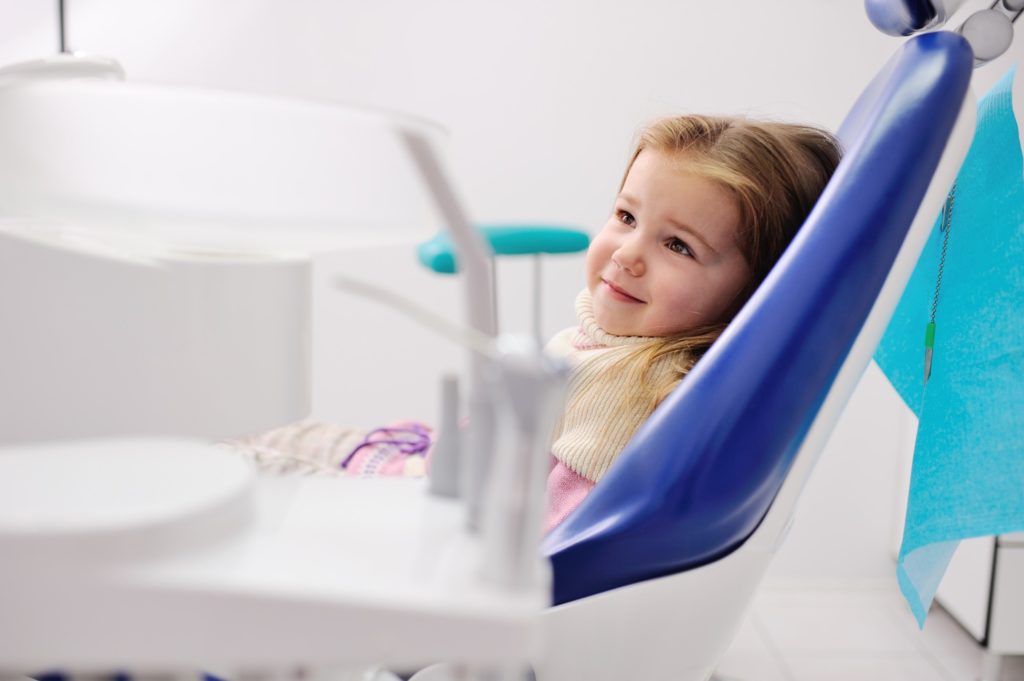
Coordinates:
847	633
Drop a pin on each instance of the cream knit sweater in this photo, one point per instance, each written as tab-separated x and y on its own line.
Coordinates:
600	413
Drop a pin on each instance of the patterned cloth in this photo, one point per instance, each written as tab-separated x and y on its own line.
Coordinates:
312	448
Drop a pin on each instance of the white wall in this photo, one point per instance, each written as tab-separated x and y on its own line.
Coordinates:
542	100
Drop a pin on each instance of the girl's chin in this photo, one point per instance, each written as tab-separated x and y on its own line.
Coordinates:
612	323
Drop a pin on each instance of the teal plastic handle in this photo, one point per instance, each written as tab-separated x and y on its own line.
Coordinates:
438	255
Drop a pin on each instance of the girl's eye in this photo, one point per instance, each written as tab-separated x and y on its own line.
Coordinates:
679	246
626	218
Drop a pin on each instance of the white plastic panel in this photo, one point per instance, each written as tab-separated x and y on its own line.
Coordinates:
1007	629
331	572
89	502
1013	539
964	590
100	339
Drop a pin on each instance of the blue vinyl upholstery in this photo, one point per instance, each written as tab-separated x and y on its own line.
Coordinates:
900	17
699	476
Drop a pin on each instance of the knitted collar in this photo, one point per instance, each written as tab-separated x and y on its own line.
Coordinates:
594	333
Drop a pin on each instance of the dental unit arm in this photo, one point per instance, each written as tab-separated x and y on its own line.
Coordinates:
989	30
149	218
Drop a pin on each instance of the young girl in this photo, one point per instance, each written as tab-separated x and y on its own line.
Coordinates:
706	207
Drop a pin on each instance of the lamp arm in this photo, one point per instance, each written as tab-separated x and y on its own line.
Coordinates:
475	255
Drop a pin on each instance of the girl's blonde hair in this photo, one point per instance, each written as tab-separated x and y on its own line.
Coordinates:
774	171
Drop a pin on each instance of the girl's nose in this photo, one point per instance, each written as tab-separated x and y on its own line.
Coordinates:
629	256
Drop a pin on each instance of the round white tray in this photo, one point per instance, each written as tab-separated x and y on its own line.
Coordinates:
106	500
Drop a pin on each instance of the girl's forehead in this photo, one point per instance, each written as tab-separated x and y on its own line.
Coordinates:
669	166
673	175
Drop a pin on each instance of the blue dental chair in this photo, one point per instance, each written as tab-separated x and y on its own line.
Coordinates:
653	573
674	539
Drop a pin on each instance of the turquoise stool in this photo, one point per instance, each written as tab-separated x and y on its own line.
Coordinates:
438	255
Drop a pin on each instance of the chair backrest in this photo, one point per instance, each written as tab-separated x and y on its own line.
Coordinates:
696	480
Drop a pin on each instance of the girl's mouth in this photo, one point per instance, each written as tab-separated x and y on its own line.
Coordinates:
619	293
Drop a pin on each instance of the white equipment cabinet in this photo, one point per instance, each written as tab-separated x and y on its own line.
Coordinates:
984	590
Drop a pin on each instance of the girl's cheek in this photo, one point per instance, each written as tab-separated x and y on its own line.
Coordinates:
598	246
593	259
608	239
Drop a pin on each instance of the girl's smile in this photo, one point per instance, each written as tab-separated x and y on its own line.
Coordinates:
618	293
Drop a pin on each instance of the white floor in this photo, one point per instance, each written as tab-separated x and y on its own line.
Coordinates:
844	633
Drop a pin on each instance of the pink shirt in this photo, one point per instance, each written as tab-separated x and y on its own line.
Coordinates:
566	489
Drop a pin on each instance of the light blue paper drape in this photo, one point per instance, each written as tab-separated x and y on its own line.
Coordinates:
968	471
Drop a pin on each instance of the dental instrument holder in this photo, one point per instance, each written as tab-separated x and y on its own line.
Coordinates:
517	389
438	255
529	388
447	455
480	314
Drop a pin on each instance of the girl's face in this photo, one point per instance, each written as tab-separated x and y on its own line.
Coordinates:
667	260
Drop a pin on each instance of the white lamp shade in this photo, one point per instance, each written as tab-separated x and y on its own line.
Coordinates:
202	167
